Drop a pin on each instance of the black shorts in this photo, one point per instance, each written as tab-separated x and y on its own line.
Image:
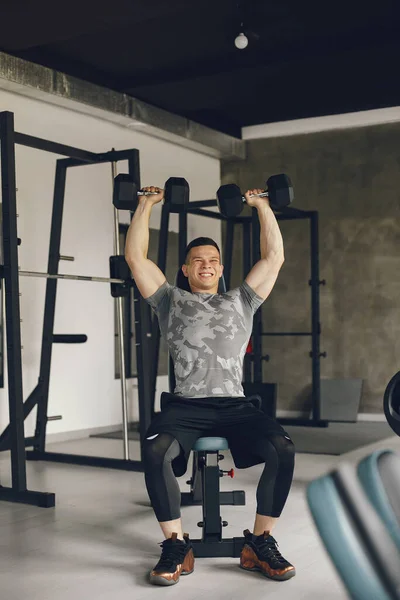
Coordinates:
244	425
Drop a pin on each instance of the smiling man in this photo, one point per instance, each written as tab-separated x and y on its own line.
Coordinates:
207	335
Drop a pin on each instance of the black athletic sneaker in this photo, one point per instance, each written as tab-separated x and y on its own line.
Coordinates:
177	559
260	553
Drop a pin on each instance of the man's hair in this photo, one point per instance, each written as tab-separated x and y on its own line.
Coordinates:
200	241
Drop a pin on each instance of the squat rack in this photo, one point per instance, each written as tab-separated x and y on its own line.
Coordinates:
13	437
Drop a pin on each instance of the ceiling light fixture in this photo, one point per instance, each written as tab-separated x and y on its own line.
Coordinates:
241	41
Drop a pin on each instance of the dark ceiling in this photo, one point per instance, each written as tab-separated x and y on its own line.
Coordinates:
304	58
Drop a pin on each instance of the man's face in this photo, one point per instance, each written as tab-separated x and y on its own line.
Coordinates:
203	269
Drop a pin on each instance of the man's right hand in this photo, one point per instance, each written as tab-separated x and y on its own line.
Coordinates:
157	195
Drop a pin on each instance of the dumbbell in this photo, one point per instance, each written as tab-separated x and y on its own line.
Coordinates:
279	192
126	193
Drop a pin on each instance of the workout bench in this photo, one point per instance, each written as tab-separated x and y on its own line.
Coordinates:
205	490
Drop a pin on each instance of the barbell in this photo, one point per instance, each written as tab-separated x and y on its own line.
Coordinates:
120	276
72	277
279	192
126	193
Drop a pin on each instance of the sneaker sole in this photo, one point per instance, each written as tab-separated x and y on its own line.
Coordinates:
284	577
158	580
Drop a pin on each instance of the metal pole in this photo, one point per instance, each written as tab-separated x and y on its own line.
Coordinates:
72	277
121	337
182	237
50	304
2	336
315	323
228	251
68	258
155	329
143	344
257	320
246	264
13	320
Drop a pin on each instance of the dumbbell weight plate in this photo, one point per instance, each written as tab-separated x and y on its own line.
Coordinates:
280	191
176	192
125	192
230	200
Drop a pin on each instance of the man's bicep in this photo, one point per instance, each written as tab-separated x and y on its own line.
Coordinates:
148	277
263	276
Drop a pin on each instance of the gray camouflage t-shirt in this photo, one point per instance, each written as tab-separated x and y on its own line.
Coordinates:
207	337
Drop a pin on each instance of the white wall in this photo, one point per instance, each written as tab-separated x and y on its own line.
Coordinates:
83	389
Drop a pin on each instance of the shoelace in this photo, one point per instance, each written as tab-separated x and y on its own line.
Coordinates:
171	553
270	547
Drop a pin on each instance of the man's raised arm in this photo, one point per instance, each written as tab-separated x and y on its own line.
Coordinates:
146	274
263	275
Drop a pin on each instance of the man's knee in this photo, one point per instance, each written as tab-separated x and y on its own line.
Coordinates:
281	449
285	448
159	448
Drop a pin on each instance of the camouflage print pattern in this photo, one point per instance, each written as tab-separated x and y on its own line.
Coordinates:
207	337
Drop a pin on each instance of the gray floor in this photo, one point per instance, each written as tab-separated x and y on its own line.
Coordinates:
101	539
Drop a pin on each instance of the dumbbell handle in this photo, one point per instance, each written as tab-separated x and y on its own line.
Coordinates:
262	195
140	193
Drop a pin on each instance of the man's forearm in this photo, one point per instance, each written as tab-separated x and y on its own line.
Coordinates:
271	242
137	239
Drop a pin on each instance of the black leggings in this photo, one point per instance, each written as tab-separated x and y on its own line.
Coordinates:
163	489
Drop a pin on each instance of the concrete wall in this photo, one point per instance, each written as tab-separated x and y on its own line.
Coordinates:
352	178
83	388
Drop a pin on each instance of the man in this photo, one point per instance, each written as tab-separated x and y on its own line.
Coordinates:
207	335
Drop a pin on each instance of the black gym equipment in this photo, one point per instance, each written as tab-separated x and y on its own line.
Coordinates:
69	338
126	193
280	194
391	403
13	438
120	271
